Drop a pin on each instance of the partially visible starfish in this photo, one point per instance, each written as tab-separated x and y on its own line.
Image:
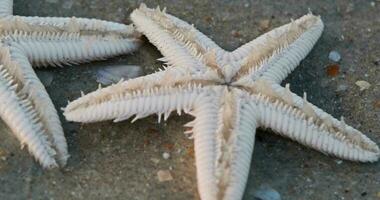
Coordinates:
230	94
41	41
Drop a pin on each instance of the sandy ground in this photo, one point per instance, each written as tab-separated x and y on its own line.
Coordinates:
120	161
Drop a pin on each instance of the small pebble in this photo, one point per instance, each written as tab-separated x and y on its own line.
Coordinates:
155	160
164	175
166	155
235	33
376	104
363	85
338	162
267	193
350	7
114	74
373	4
332	70
264	24
341	88
334	56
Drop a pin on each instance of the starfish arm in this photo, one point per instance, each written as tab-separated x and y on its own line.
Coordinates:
55	49
17	113
180	43
142	96
6	8
224	133
296	118
69	24
275	54
41	129
73	24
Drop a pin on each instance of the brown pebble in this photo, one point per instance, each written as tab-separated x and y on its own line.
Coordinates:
332	70
235	33
208	19
168	146
164	175
264	25
376	104
190	152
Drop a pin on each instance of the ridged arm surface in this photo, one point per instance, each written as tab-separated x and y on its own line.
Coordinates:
23	119
73	24
180	43
31	89
57	49
275	54
294	117
224	134
160	93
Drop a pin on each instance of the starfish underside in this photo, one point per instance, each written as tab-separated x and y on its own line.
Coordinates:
48	41
230	94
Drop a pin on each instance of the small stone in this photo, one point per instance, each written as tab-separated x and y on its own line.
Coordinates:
208	19
246	5
376	104
168	146
267	193
334	56
341	88
378	194
332	70
264	24
166	155
155	160
373	4
350	7
338	162
3	155
114	74
164	175
235	33
363	85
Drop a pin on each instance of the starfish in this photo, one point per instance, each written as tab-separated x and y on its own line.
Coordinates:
25	105
230	94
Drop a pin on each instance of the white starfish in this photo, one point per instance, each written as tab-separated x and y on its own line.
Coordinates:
230	94
41	41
